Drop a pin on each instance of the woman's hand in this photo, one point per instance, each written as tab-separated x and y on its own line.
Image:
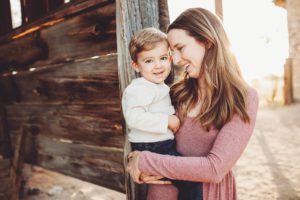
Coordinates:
132	166
153	179
135	173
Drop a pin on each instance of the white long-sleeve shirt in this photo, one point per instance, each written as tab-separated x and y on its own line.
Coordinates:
146	108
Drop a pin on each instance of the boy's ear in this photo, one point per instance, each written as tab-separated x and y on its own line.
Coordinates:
135	66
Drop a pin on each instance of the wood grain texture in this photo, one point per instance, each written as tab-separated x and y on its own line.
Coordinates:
5	165
99	165
88	124
84	35
82	81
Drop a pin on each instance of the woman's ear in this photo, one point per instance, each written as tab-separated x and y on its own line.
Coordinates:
208	45
135	66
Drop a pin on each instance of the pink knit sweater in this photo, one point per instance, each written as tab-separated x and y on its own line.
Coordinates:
209	157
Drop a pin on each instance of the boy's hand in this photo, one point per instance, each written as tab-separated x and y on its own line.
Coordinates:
173	123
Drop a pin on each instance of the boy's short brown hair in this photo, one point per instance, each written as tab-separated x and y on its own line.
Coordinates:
144	40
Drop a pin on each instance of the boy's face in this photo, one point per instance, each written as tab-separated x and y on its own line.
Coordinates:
155	64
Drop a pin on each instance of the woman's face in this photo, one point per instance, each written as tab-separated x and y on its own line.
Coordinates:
187	52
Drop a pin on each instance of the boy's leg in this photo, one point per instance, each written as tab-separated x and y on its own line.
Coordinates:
189	190
141	190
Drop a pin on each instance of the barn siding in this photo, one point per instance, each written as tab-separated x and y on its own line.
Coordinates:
64	93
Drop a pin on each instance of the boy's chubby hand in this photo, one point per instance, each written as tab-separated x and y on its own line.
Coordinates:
173	123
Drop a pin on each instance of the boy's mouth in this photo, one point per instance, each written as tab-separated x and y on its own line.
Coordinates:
159	73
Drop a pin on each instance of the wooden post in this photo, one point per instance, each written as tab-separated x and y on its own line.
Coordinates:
5	144
288	82
5	17
164	19
5	165
132	16
219	9
17	165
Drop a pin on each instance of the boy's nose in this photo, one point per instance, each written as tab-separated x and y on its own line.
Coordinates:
158	64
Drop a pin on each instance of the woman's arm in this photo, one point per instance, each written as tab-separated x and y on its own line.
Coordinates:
228	147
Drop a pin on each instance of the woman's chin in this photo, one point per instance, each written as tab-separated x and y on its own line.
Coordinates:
191	75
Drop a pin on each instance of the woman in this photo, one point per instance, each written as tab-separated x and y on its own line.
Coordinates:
216	107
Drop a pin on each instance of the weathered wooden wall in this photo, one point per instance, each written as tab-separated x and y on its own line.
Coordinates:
293	7
80	31
64	92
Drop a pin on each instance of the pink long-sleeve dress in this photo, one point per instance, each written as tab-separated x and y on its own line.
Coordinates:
208	157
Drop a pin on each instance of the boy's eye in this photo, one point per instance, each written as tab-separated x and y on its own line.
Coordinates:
164	58
148	61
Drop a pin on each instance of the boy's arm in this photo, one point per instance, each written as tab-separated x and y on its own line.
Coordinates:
137	100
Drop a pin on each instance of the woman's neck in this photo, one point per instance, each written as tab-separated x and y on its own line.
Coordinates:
201	88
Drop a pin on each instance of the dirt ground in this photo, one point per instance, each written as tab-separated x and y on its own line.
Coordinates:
269	169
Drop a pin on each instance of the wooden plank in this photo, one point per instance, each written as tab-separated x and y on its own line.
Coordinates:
5	17
5	144
5	165
5	148
12	54
99	165
17	165
82	82
89	124
86	35
68	10
132	16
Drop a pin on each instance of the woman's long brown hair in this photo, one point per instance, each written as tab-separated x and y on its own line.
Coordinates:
225	89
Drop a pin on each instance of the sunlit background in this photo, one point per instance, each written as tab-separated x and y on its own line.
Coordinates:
259	36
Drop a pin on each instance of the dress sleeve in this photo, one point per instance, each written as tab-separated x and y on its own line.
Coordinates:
230	143
137	115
